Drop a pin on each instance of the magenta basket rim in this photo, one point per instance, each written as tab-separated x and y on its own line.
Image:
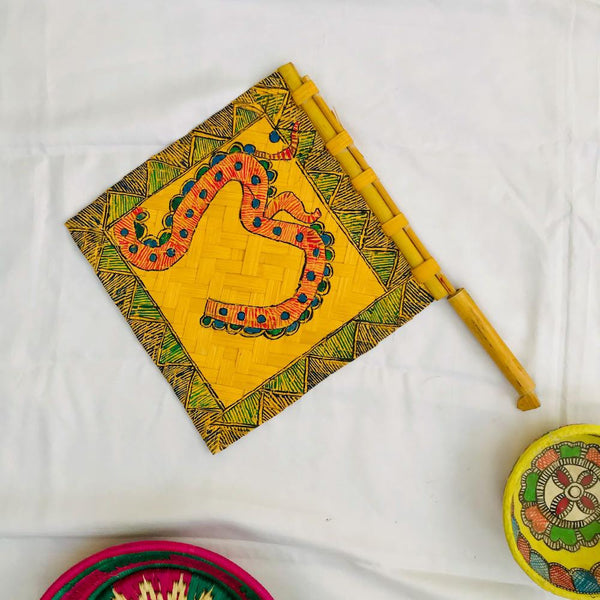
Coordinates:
160	545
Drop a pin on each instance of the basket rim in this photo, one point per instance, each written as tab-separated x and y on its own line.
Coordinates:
157	545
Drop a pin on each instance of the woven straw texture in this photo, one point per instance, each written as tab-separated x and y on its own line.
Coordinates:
246	263
156	570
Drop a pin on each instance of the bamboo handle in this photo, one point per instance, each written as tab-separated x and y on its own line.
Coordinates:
395	225
493	344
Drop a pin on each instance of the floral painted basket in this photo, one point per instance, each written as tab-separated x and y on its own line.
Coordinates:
156	570
552	511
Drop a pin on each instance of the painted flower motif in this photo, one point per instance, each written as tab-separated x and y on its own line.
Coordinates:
560	496
575	494
162	586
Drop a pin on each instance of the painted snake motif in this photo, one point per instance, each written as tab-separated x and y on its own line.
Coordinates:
252	170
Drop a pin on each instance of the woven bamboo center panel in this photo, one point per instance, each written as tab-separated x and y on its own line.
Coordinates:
246	263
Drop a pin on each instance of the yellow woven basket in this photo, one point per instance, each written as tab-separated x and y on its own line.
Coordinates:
552	511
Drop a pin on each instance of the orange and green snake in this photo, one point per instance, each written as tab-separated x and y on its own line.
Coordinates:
253	170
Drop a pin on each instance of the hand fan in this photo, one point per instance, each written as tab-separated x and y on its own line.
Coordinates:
260	253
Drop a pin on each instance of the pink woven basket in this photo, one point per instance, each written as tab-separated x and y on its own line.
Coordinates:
156	569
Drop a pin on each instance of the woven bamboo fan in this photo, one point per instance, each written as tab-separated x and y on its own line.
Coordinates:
259	253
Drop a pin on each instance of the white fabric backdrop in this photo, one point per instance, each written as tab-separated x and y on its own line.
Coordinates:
481	118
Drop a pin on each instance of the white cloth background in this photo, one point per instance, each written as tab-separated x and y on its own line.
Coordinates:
482	120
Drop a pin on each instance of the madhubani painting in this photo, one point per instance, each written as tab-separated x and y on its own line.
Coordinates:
246	264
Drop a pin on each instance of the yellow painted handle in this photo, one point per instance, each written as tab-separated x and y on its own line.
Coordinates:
487	336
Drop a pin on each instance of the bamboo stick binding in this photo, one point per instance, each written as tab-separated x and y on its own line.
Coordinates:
493	344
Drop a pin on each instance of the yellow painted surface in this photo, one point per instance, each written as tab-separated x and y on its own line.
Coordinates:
225	262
